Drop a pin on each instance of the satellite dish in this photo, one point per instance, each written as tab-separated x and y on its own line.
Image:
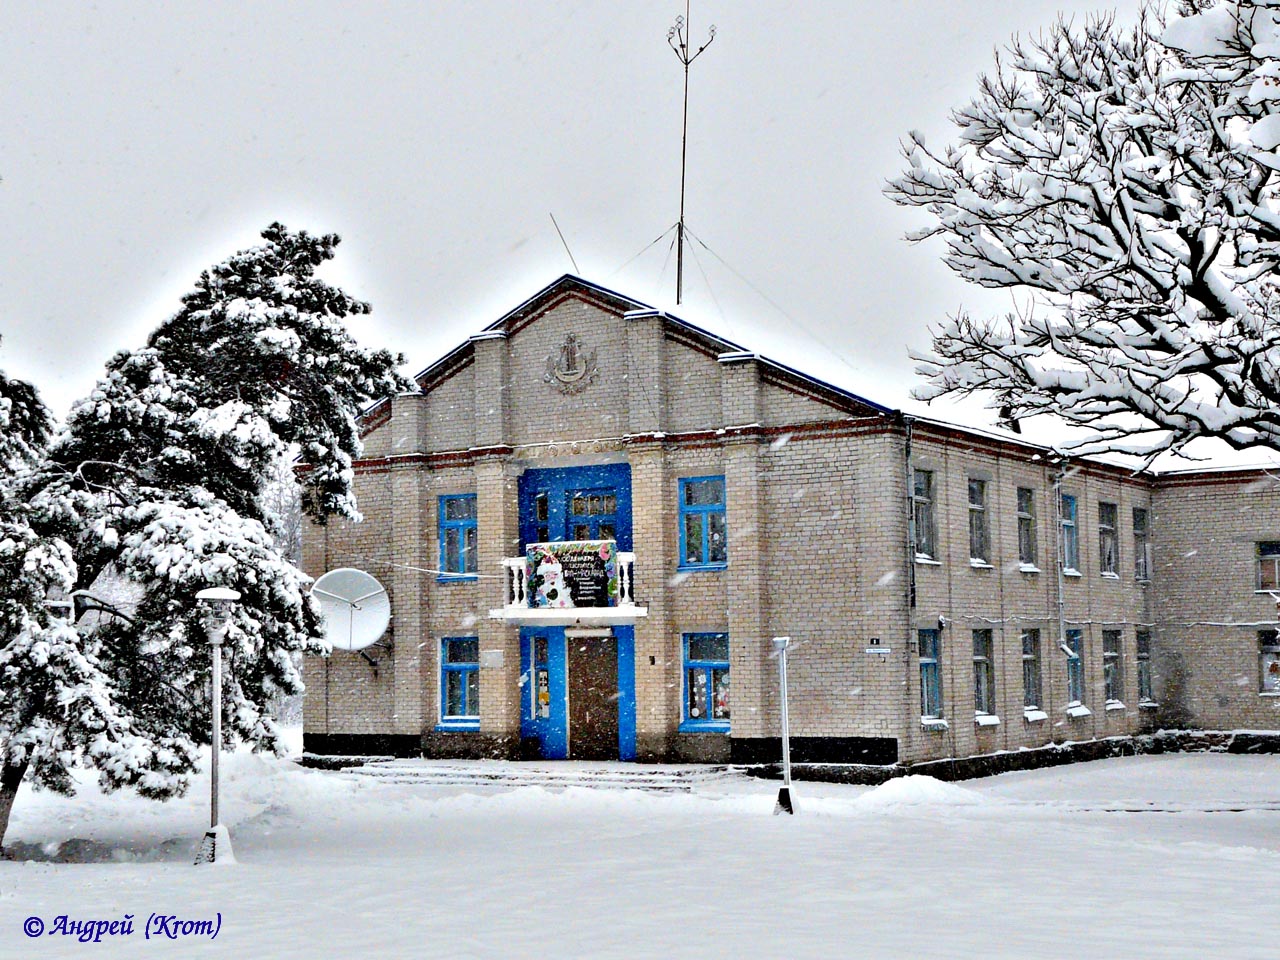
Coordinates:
354	606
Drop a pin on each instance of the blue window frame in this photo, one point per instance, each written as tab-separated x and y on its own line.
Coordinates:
703	535
1074	650
458	536
930	677
706	682
460	683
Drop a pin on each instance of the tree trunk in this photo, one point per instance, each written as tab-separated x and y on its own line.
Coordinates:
10	780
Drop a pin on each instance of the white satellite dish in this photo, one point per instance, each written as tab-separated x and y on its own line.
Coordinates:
354	606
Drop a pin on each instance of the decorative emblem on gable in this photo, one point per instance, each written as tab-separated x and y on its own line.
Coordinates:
569	369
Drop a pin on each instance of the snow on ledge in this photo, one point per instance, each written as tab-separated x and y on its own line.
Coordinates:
934	723
1028	568
986	719
1034	716
1076	710
1115	705
927	560
978	564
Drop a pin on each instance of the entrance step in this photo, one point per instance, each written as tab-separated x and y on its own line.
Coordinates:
502	773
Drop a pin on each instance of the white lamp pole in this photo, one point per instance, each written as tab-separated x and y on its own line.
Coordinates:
784	805
216	845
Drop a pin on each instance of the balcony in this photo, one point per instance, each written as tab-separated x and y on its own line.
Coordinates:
572	583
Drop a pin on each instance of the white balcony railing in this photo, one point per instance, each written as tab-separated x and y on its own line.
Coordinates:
518	607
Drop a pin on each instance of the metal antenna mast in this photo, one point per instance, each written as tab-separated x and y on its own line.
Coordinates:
678	38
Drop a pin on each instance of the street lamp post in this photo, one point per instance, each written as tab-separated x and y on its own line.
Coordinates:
216	845
784	805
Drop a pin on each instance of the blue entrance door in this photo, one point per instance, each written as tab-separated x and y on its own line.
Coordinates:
578	503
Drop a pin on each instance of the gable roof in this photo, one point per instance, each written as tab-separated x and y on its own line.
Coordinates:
568	286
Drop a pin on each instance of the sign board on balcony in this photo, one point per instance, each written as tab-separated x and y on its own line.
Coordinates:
575	573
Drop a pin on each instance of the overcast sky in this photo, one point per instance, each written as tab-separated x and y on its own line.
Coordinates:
140	143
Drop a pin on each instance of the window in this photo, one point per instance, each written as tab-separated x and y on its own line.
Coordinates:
706	681
1268	661
922	513
1070	535
1031	669
1026	527
1269	565
930	681
978	549
1145	694
460	681
703	539
1141	545
458	535
984	681
1108	542
1112	666
1074	649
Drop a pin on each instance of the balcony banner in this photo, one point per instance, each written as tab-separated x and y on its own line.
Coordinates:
575	573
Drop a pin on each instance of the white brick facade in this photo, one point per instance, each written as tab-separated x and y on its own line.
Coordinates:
817	508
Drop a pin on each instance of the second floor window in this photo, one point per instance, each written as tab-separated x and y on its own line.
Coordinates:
458	535
1026	526
704	540
1141	545
978	549
1269	565
984	680
1108	542
1070	535
923	515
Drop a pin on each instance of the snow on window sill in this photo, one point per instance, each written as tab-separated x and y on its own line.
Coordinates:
1077	710
986	719
1109	575
934	723
1115	705
704	726
928	561
1034	716
1148	705
450	726
458	578
1071	572
1028	568
1142	581
1269	693
979	564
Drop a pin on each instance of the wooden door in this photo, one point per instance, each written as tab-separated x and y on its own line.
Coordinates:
593	698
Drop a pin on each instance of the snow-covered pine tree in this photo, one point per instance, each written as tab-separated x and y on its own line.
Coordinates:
1127	179
160	476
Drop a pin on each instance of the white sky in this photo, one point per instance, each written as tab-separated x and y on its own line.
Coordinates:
141	143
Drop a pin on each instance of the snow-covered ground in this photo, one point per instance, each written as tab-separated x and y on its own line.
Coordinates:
1170	856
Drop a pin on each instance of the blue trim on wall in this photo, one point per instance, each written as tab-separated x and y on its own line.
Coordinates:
626	691
552	733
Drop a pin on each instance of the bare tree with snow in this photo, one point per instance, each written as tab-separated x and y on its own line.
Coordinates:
1127	179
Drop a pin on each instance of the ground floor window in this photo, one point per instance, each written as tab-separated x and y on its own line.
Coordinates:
930	679
460	681
1269	661
1031	669
984	681
706	681
1074	649
1144	667
1112	666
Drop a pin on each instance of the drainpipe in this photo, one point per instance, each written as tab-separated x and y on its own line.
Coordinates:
1062	603
908	729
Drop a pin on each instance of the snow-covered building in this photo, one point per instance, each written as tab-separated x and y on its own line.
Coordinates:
592	517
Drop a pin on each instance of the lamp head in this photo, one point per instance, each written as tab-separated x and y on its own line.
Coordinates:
218	603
